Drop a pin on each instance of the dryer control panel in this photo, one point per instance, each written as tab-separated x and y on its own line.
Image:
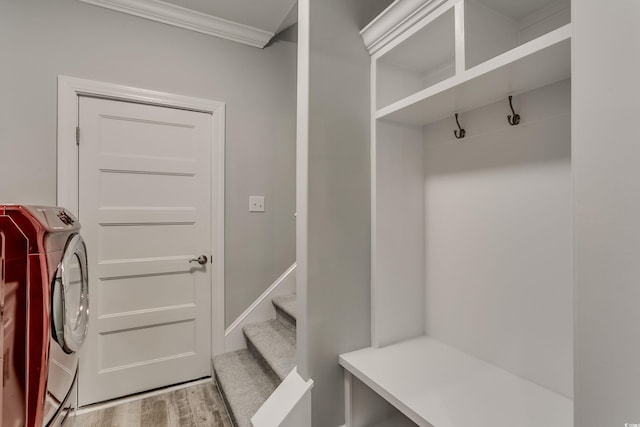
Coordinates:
66	218
54	218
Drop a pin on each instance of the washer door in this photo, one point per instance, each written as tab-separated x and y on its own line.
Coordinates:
70	297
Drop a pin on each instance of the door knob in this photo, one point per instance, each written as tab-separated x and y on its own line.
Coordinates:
202	260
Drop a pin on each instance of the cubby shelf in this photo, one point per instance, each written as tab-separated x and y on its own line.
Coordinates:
436	385
538	63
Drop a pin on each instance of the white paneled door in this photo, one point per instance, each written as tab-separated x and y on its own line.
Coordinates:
145	209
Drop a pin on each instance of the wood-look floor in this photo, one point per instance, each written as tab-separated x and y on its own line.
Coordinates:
197	406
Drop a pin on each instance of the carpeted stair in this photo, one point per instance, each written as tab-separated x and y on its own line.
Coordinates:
247	377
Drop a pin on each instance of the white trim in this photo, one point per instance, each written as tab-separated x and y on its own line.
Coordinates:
139	396
373	153
261	310
67	186
411	25
302	186
460	45
399	17
288	405
348	399
177	16
217	228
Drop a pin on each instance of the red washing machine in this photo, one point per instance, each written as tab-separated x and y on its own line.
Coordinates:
14	272
46	312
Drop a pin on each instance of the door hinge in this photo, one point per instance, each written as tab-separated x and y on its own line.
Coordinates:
77	135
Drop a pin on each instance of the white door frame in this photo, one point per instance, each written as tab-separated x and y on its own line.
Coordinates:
70	88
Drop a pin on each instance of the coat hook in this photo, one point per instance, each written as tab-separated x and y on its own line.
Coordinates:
462	131
516	117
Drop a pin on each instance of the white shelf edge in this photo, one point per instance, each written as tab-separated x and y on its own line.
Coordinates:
389	397
534	46
384	369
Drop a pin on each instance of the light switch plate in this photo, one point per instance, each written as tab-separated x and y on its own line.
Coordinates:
256	203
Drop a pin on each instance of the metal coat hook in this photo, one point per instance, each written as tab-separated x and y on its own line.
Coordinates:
462	131
516	117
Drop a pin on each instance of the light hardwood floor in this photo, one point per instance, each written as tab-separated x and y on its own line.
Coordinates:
197	406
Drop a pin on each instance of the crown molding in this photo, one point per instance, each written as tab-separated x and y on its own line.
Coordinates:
177	16
395	20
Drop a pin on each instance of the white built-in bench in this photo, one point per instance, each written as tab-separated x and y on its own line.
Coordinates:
433	384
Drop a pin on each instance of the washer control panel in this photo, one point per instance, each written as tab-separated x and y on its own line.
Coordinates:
54	218
66	218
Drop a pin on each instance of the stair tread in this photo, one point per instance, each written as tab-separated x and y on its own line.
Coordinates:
276	344
244	384
286	303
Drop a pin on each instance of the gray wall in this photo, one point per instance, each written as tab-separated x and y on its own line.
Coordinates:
338	211
40	40
498	252
606	162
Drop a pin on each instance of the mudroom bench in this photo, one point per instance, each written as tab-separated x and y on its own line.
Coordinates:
426	383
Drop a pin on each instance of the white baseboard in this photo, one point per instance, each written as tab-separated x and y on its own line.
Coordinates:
260	310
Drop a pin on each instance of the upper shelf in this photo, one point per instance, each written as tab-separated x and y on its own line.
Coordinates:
542	61
436	385
433	58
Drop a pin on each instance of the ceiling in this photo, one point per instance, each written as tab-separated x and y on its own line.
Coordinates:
267	15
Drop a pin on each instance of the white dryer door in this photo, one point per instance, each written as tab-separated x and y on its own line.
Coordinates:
70	299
